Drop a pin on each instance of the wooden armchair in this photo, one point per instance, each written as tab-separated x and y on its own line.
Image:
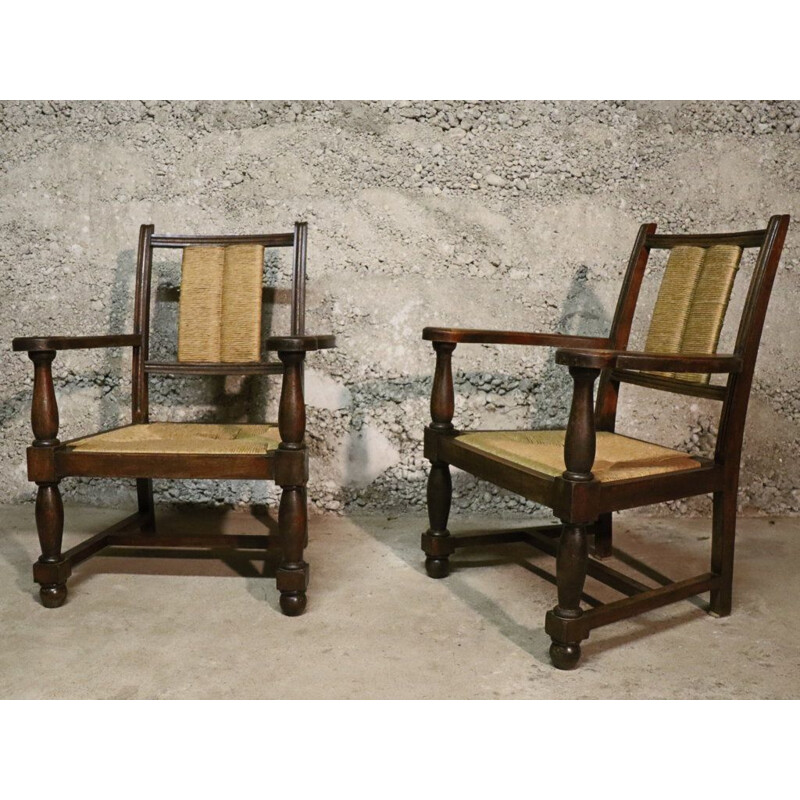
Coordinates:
587	471
219	333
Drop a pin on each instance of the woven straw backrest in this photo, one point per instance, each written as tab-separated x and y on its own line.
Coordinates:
220	304
692	302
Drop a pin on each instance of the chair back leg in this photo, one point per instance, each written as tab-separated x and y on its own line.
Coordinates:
144	496
723	537
571	564
603	536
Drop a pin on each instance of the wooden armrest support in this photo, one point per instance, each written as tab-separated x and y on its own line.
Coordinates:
296	344
38	343
580	439
42	350
474	336
659	362
292	407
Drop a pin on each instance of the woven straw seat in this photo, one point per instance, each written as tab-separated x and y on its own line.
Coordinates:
187	438
618	457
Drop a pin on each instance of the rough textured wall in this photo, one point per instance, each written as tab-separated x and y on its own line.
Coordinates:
514	215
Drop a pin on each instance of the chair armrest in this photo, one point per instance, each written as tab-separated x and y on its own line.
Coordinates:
35	344
292	408
445	341
658	362
475	336
299	344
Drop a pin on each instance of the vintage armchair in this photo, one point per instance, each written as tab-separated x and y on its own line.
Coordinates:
587	471
219	333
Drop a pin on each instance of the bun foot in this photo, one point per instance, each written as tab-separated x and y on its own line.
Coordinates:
565	656
53	595
437	567
293	604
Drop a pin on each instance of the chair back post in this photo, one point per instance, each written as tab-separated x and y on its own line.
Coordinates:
737	397
299	278
141	326
608	389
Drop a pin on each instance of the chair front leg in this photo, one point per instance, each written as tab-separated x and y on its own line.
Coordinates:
51	570
292	575
436	540
563	623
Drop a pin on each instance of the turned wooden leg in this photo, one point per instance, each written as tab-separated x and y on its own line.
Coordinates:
144	494
50	571
565	651
436	540
722	547
563	623
603	537
292	575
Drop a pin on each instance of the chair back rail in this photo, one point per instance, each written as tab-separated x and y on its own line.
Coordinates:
745	239
265	239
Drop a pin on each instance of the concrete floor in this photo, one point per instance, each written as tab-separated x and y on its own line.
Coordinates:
377	627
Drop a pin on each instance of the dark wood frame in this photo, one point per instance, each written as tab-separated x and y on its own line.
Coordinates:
583	504
50	460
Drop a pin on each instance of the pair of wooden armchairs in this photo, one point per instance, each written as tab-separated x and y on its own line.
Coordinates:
583	473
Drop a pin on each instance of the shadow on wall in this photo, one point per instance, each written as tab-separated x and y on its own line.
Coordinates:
120	320
583	312
107	376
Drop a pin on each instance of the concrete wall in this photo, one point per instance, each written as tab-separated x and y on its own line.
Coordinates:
504	215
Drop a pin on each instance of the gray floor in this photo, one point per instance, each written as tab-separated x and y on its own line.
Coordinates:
377	627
